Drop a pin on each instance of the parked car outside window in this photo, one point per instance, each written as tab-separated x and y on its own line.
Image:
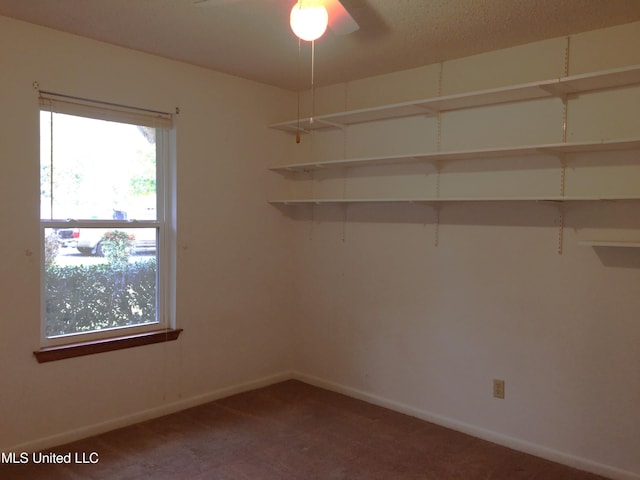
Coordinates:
88	240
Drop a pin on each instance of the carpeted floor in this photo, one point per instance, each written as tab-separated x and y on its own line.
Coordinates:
290	431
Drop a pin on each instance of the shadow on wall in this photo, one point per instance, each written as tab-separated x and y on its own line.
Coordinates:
524	213
604	219
618	257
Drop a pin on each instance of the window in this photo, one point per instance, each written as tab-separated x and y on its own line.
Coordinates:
106	220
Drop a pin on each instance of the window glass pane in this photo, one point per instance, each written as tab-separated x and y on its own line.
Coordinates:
98	278
96	169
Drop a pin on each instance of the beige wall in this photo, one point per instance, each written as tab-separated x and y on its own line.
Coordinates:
232	258
387	315
370	305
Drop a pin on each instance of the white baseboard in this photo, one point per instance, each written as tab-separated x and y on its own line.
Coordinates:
498	438
491	436
159	411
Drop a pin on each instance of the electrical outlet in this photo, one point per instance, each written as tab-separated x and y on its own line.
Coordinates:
498	388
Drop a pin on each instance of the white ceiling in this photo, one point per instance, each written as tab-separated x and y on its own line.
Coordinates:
252	38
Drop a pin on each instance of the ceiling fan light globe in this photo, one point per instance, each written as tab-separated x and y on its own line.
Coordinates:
309	20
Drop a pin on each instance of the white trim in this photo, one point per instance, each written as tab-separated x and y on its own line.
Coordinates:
475	431
165	196
103	111
491	436
165	190
124	224
144	415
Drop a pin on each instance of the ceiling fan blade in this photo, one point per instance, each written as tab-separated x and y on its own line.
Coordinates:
212	3
340	21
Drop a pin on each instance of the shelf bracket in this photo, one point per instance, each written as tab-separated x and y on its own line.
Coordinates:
563	173
345	184
565	110
438	166
560	228
298	131
439	126
344	222
312	221
557	90
561	208
560	223
436	233
564	96
428	111
340	126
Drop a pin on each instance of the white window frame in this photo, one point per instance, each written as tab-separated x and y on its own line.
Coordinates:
165	223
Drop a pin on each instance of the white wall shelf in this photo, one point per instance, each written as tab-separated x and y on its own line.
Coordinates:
567	89
546	149
559	87
439	200
610	243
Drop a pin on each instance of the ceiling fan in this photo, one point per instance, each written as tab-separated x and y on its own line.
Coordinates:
309	20
340	20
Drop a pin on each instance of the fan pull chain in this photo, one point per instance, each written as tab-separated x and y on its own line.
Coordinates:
298	117
313	86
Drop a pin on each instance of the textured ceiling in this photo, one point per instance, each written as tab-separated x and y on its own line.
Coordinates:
252	38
